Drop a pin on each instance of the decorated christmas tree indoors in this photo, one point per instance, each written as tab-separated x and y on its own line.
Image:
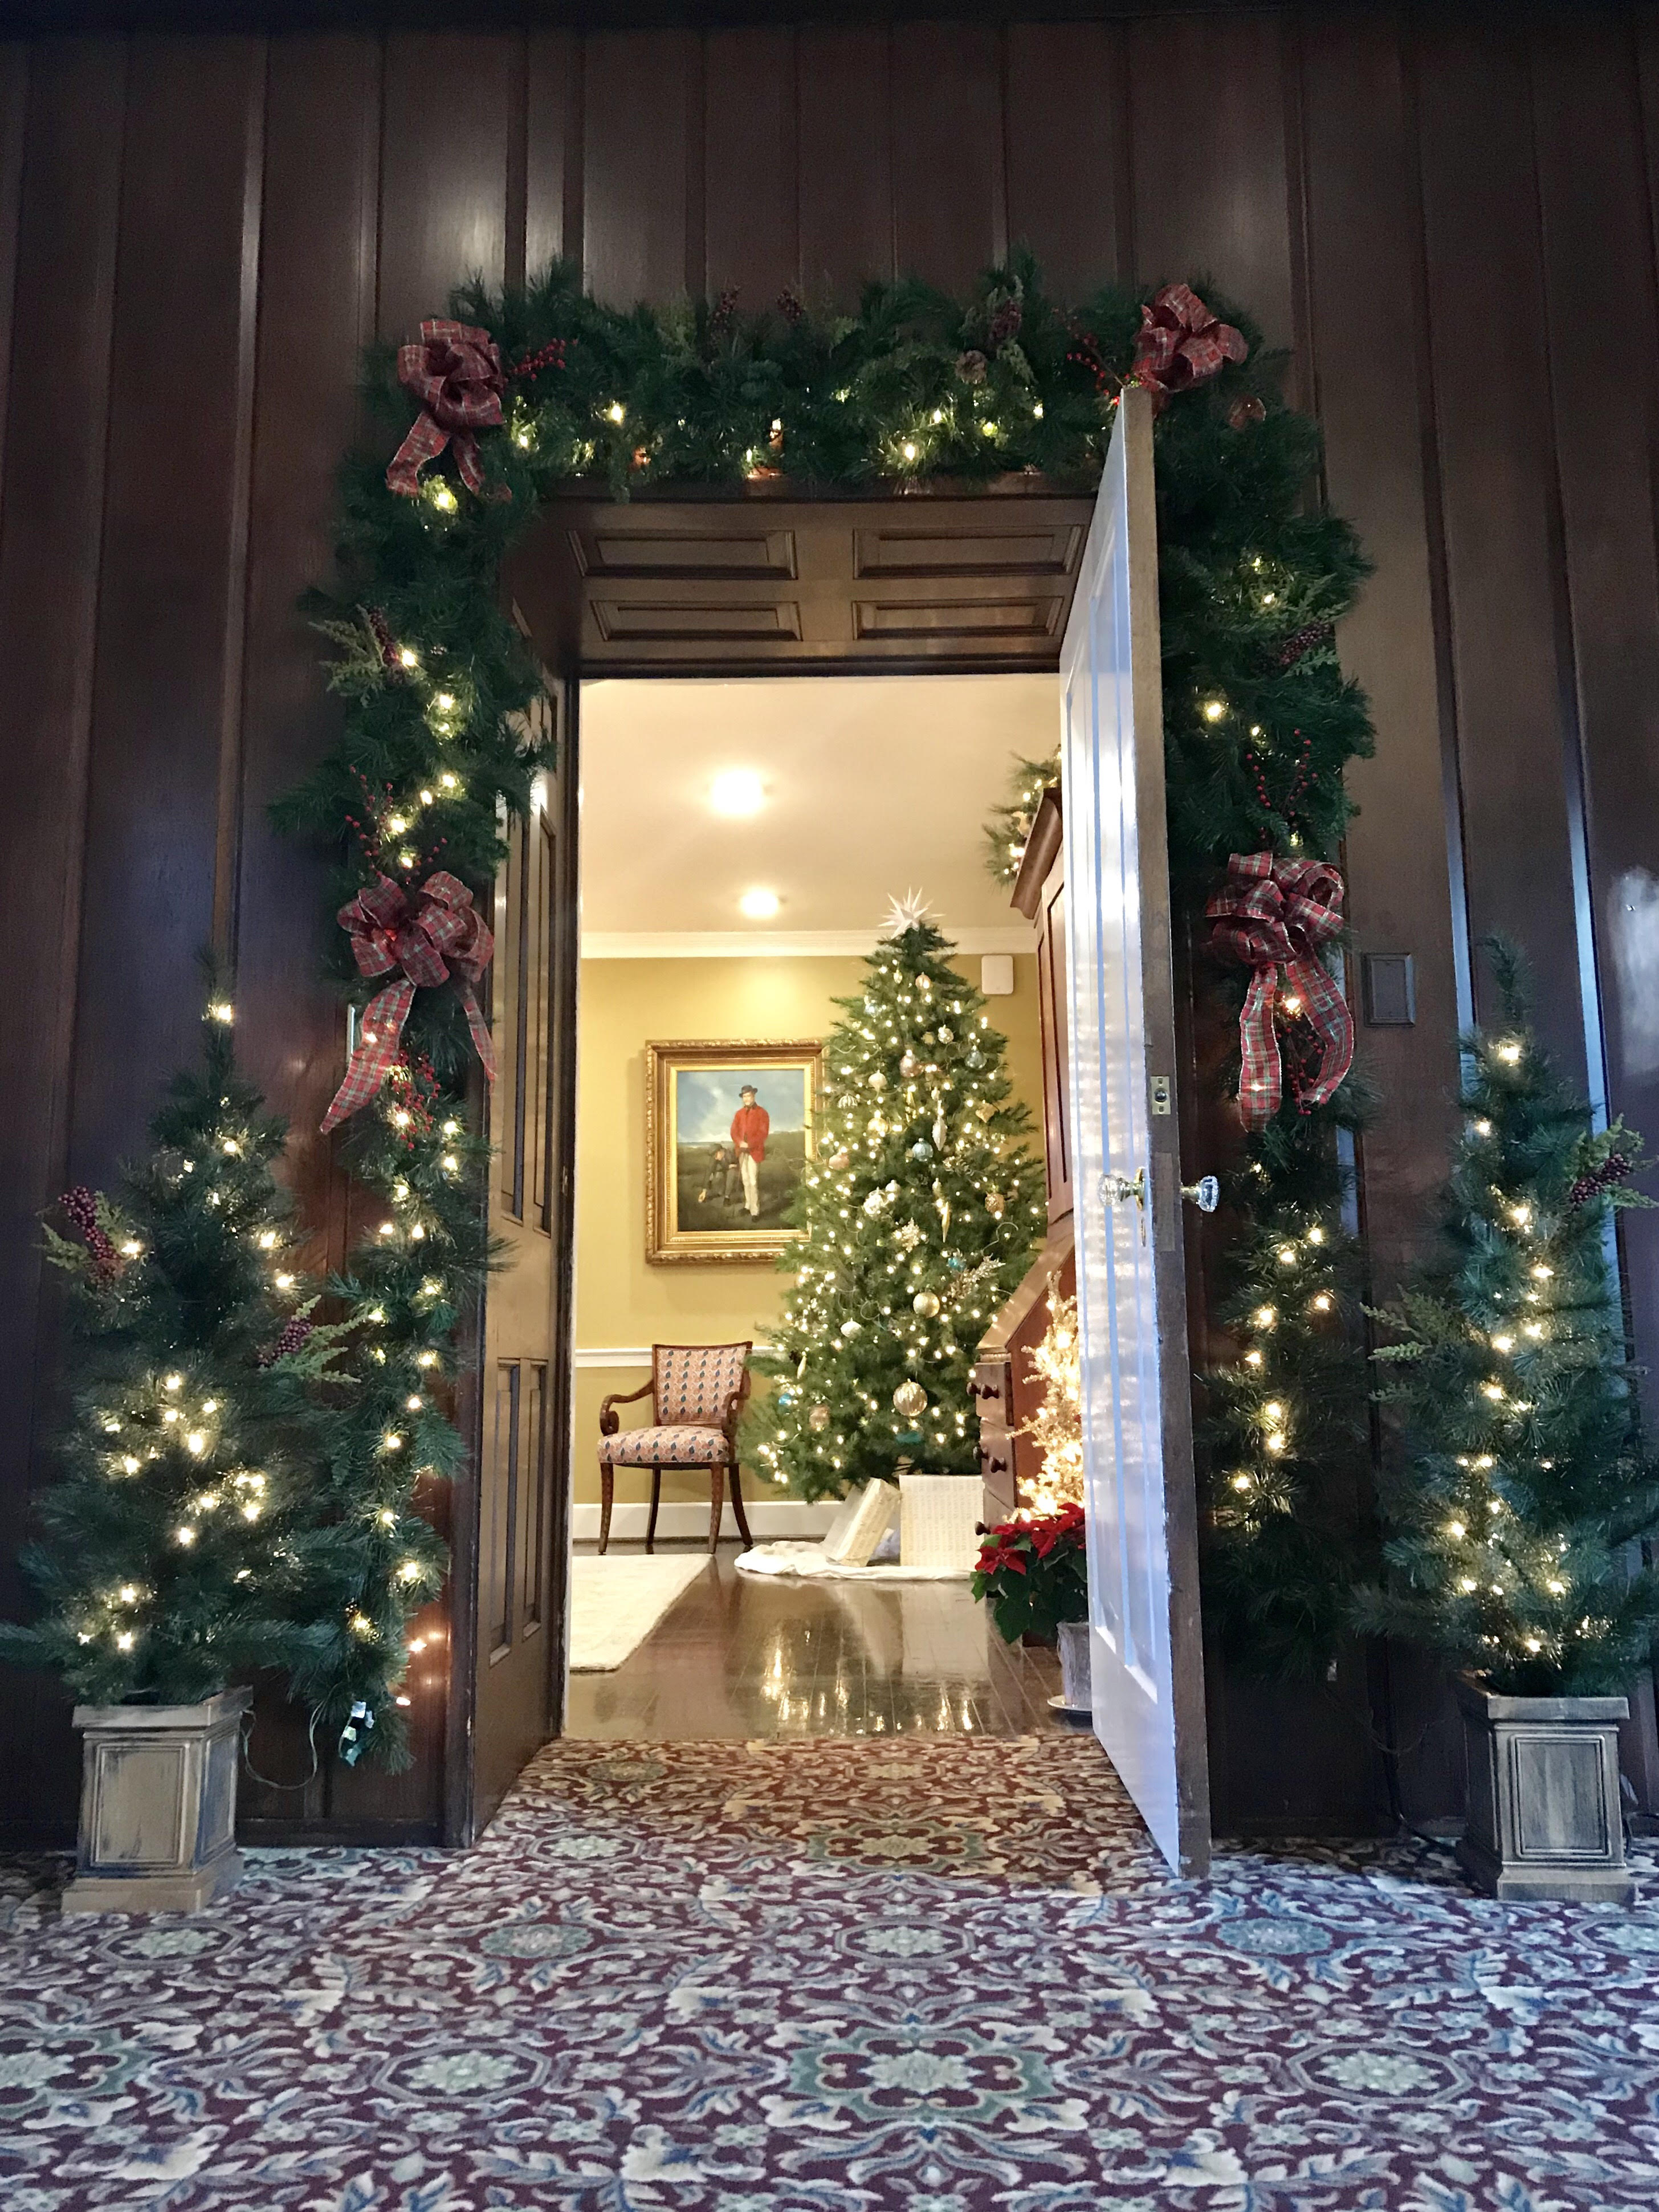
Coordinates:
920	1209
1526	1481
162	1566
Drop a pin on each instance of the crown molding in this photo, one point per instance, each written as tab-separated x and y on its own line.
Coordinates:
780	943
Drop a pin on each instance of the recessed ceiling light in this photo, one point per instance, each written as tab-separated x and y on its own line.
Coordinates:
759	905
736	791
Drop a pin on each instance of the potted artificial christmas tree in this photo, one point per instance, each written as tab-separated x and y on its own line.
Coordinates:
1527	1485
921	1209
163	1547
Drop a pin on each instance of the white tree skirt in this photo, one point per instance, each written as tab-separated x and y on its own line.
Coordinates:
808	1563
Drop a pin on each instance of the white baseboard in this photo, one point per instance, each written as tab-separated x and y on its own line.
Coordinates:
769	1518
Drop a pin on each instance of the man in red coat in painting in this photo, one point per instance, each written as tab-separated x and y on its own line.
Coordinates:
750	1125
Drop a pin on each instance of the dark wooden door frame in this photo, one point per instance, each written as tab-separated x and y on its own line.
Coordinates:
759	579
465	1812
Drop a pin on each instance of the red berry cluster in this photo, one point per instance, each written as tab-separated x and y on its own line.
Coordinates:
1286	807
413	1082
551	355
1595	1181
789	306
1085	351
296	1329
384	639
724	313
82	1207
1304	641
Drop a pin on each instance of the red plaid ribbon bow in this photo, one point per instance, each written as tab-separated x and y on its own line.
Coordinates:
437	932
1180	343
455	372
1272	914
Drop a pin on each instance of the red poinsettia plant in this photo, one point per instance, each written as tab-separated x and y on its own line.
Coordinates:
1033	1572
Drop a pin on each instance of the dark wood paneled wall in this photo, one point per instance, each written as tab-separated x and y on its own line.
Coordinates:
1449	223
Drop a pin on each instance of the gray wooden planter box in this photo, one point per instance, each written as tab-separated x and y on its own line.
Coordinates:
158	1806
1543	1815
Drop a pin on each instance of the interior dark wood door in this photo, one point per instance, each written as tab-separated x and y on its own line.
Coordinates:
523	1383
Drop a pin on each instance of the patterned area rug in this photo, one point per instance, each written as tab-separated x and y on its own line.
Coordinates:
936	1976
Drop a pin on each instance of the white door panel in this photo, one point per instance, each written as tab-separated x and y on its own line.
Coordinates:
1146	1643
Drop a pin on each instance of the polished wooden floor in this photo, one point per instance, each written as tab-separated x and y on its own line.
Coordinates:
742	1656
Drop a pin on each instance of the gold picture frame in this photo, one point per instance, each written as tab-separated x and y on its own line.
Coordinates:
702	1204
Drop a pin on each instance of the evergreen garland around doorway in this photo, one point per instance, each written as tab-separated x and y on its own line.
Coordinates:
545	386
1260	720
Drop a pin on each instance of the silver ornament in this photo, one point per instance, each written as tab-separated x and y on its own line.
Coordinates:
921	1150
908	1065
944	1035
850	1328
874	1203
877	1081
925	1304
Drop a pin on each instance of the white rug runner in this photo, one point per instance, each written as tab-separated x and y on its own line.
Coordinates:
809	1563
615	1602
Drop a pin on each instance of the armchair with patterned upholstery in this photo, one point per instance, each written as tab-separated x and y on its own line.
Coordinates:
697	1392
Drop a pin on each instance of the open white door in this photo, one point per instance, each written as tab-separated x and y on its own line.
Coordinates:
1145	1649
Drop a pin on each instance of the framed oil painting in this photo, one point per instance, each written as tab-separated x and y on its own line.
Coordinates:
728	1132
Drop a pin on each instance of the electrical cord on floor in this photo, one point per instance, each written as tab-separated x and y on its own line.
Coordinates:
265	1780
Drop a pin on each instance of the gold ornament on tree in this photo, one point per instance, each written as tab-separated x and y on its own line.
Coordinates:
910	1400
818	1419
925	1303
1056	1425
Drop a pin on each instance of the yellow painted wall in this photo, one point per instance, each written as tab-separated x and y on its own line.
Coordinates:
621	1300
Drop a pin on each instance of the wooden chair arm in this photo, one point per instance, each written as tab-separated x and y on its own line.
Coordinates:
734	1407
609	1424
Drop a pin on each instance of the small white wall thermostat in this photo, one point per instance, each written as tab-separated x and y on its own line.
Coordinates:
996	975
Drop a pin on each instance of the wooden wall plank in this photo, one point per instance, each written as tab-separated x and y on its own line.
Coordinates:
949	185
317	273
1494	438
449	103
1597	232
50	531
14	95
1207	120
168	610
1367	363
1363	259
1069	189
553	93
845	156
637	126
751	210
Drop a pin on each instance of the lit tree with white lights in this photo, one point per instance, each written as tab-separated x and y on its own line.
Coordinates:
163	1564
921	1210
1527	1480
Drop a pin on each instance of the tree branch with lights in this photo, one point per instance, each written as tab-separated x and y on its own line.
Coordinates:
1525	1492
919	1213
